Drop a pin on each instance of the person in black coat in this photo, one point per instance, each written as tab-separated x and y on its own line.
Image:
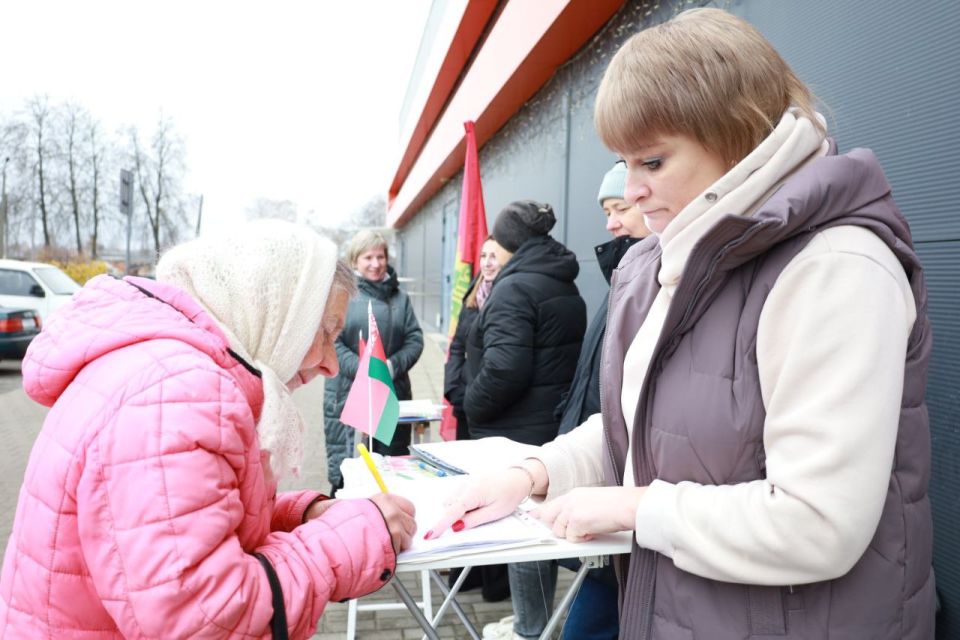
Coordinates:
454	382
522	350
521	355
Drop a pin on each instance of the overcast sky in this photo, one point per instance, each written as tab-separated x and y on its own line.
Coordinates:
288	100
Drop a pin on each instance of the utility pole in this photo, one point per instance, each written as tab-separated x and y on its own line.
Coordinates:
199	216
3	212
126	207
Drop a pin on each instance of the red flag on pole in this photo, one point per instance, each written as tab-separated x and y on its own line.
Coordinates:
471	232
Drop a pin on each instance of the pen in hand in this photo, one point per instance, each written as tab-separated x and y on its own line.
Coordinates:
398	512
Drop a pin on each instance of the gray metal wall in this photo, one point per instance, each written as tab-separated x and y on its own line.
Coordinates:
887	72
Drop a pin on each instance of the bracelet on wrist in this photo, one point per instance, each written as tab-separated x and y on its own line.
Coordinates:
533	482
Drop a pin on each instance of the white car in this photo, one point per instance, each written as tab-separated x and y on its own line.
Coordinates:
34	285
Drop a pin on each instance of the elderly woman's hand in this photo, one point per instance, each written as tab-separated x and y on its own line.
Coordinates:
398	514
483	499
585	512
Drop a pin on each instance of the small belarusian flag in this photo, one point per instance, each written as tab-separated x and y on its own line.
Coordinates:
372	405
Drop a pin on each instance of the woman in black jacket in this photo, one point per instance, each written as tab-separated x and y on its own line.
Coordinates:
402	342
523	348
521	355
454	383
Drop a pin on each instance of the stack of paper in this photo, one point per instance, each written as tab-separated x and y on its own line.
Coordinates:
516	530
473	456
429	496
411	410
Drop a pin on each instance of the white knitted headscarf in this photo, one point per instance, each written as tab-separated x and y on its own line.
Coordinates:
266	284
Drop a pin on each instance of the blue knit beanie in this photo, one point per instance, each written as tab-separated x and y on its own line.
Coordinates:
613	183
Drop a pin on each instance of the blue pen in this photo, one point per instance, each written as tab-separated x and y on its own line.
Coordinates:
431	469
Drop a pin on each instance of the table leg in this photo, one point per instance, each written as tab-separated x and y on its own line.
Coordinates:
426	596
352	619
554	621
450	600
414	609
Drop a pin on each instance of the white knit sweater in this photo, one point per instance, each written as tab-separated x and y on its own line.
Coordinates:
831	347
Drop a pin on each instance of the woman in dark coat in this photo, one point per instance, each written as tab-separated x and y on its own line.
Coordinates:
523	349
402	342
521	356
454	383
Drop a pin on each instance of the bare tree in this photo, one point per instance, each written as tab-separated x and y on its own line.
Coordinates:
74	117
267	208
95	154
372	213
158	174
40	113
15	154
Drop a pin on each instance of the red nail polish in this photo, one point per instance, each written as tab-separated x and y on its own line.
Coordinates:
458	525
428	535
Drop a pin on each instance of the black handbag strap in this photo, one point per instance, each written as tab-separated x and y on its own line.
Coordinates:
278	623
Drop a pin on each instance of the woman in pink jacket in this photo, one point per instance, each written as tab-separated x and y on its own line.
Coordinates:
149	505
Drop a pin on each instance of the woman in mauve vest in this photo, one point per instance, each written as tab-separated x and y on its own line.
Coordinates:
763	431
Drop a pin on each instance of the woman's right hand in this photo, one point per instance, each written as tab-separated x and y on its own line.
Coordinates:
398	514
484	499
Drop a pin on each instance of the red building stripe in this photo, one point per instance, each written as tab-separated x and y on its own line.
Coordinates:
529	40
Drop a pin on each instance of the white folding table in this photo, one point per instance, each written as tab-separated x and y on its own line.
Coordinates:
592	553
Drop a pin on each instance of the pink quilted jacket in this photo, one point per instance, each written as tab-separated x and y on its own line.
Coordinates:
145	494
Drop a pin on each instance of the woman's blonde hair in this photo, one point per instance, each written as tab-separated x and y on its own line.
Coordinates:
706	74
363	241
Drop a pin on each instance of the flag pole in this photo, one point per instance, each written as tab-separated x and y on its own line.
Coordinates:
369	382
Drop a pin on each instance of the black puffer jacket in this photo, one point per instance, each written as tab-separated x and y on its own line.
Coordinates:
583	398
523	348
403	344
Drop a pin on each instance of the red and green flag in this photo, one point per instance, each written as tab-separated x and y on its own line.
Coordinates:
372	405
471	229
471	232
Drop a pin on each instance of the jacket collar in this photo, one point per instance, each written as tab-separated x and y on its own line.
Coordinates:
610	253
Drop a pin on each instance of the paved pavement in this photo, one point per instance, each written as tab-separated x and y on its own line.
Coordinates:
21	418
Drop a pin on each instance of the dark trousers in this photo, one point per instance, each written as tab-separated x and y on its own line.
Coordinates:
492	580
593	614
399	445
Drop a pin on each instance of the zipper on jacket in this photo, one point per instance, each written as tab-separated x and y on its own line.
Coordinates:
613	459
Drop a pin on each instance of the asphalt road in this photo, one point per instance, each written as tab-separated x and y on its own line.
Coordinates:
9	375
20	420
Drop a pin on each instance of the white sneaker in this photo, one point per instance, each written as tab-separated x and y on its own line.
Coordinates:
502	630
